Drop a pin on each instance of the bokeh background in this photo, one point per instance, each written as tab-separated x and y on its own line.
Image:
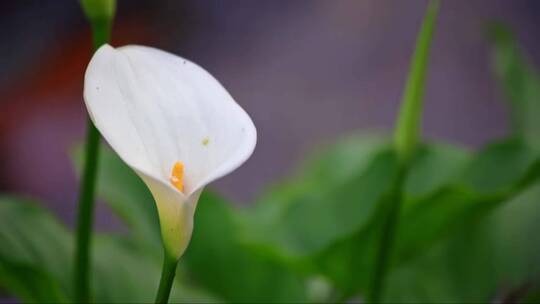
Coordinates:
307	71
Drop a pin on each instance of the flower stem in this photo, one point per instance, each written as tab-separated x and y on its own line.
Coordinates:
406	138
388	234
101	33
407	131
167	278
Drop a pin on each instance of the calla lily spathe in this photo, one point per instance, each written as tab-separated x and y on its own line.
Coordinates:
171	122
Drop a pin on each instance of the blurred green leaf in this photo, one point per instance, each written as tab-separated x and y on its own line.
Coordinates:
485	258
422	280
458	189
218	260
338	162
494	174
488	179
312	222
29	284
496	254
499	167
465	218
433	167
122	274
35	253
520	81
36	261
348	261
320	221
516	243
335	196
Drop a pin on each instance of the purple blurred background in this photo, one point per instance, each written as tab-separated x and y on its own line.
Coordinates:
306	71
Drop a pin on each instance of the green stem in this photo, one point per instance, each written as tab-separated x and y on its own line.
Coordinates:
407	130
101	33
406	140
388	234
167	278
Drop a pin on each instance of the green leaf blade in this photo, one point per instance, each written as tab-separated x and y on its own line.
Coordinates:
519	81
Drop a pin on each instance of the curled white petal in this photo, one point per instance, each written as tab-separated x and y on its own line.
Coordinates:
155	109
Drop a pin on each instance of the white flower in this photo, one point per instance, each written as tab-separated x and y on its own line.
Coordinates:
171	122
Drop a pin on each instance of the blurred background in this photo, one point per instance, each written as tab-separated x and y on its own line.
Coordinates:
306	71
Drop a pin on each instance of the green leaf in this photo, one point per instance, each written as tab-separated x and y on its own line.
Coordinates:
311	223
484	258
516	243
466	256
347	262
422	280
433	167
339	162
316	220
36	262
36	253
217	259
488	179
499	167
408	122
329	201
520	81
29	283
123	274
461	189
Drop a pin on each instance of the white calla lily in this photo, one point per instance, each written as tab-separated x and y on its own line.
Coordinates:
170	121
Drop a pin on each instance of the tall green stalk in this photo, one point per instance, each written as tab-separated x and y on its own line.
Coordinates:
406	139
407	130
100	15
392	203
85	215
